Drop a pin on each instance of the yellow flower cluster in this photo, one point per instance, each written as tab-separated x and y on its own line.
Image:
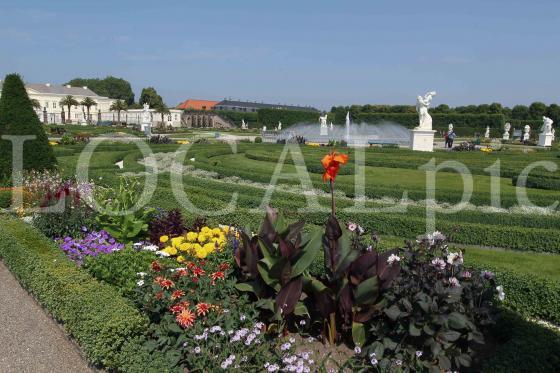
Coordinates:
199	244
486	150
53	143
183	142
312	144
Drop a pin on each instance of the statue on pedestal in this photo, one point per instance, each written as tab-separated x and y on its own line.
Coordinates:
422	105
546	128
146	120
507	127
527	133
487	133
279	126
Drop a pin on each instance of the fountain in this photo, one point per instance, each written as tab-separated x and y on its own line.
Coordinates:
347	136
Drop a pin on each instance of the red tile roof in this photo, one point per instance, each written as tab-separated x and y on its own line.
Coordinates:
197	105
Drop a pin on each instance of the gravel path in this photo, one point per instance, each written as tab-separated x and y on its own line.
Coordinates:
30	340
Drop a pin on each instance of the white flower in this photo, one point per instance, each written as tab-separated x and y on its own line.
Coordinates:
501	293
141	274
197	350
352	226
215	329
310	339
393	258
272	367
292	340
398	362
439	263
242	317
302	322
373	361
150	248
357	350
140	282
455	258
285	346
418	353
162	253
454	282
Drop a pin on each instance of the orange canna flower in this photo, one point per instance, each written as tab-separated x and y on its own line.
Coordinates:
331	163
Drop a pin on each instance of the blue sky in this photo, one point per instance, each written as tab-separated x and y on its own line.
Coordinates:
319	53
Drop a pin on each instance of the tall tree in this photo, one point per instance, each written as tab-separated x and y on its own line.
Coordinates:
495	108
88	102
109	86
162	109
35	103
150	96
537	110
520	112
553	112
69	101
18	118
118	106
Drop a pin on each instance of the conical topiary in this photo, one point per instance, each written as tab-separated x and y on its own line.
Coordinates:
17	118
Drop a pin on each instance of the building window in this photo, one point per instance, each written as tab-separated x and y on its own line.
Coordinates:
54	105
46	104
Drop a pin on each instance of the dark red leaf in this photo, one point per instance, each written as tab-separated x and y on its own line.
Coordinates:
289	295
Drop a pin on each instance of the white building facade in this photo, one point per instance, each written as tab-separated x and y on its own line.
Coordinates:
51	112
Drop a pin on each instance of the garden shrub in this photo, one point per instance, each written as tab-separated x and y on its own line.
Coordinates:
540	182
527	294
18	118
522	346
119	269
287	117
258	140
93	313
5	198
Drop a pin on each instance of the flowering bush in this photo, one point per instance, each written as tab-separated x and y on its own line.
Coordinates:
93	244
433	312
195	244
198	319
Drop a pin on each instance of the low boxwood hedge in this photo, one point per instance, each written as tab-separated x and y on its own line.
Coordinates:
105	325
526	294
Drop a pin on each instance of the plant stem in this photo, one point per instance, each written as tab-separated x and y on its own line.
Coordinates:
333	208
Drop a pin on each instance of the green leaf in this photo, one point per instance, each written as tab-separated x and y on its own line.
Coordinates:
308	253
246	287
367	291
175	328
444	363
264	272
393	312
457	320
413	330
301	310
358	334
449	336
464	360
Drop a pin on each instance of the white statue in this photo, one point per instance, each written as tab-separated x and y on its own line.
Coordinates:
553	134
487	133
243	124
146	120
527	132
332	126
279	126
450	127
507	127
546	128
264	128
422	105
323	120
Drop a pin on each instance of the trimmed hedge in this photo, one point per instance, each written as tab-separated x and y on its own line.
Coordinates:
104	324
271	117
526	294
540	182
440	121
236	116
523	346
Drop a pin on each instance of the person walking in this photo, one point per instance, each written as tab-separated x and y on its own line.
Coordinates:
449	137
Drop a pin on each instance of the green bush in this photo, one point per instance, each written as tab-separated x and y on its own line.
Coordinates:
540	182
258	140
527	294
17	118
522	347
5	199
287	117
101	321
119	268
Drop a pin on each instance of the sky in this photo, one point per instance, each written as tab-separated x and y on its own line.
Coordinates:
319	53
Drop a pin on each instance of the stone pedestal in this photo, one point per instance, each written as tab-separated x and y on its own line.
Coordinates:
545	139
422	140
505	136
324	130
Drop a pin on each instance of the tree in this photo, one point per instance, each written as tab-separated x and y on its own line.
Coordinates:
495	108
483	109
553	112
118	106
69	101
443	109
150	96
88	102
110	86
35	103
162	109
520	112
18	118
537	110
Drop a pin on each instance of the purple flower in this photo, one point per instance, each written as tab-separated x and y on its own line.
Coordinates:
439	263
93	244
487	275
454	282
